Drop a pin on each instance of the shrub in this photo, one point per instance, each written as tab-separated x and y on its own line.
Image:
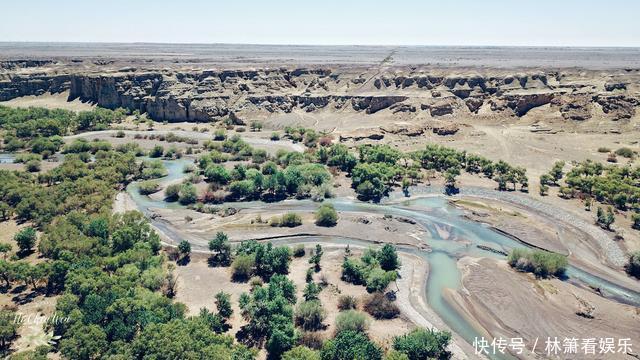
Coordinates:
422	344
299	251
378	279
347	302
326	215
33	166
188	194
291	220
156	152
310	315
635	219
275	136
603	150
256	281
349	345
148	187
625	152
541	263
219	135
242	267
633	266
380	307
352	320
275	221
301	353
312	340
172	192
395	355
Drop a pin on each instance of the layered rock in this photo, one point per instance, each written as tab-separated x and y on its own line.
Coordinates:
205	95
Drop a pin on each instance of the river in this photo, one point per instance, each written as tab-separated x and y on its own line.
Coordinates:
448	237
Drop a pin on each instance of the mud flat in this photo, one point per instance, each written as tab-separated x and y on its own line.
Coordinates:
509	304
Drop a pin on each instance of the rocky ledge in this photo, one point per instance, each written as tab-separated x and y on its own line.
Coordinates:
205	95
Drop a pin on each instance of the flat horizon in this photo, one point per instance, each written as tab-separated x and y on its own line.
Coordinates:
325	45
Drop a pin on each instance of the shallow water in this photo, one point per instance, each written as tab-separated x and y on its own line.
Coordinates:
7	158
448	234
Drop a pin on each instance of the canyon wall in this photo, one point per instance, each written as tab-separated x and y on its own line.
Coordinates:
205	95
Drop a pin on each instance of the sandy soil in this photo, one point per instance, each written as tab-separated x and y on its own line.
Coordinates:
49	101
510	304
244	225
198	283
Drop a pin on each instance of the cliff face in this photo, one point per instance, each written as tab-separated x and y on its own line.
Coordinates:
204	95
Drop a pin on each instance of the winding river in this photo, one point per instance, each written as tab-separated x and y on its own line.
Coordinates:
447	234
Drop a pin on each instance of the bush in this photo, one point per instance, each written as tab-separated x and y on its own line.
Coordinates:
541	263
301	353
635	219
256	281
275	221
188	194
347	302
633	267
242	267
310	315
33	166
603	150
148	187
172	192
625	152
380	307
422	344
395	355
220	135
352	320
156	152
275	136
349	345
326	215
299	251
291	220
312	340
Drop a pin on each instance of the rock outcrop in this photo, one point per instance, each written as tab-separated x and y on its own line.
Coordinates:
205	95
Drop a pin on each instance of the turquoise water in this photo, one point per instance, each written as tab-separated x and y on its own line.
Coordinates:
447	233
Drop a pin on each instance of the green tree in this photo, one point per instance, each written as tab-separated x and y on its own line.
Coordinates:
605	219
221	249
184	248
223	303
556	173
26	239
301	353
8	329
633	266
349	345
84	342
388	258
217	174
422	344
